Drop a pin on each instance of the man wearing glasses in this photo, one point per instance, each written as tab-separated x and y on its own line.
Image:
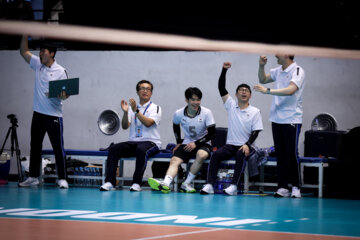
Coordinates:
144	138
244	125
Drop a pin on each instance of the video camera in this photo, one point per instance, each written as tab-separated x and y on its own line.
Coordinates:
13	119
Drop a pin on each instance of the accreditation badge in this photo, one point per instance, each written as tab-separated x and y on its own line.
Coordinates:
138	130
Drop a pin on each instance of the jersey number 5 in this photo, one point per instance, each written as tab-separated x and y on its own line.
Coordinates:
192	131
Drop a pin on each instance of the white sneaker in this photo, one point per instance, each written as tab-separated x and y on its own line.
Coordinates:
107	187
187	188
282	192
29	182
63	184
295	192
231	190
135	188
207	189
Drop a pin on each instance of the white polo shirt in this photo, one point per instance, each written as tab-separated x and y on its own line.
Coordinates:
287	109
194	128
241	122
43	74
150	110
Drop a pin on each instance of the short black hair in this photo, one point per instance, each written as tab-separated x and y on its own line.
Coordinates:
193	91
243	85
141	82
49	46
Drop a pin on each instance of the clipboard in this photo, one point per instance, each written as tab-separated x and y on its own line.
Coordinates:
70	86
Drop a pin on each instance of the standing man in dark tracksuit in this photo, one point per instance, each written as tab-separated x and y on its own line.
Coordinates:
47	116
286	117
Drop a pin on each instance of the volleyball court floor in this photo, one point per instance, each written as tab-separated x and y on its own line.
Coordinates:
47	212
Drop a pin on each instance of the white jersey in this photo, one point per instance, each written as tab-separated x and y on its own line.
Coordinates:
138	131
194	128
43	75
287	109
241	122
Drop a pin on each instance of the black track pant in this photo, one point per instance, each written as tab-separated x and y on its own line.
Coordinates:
223	153
286	137
141	150
53	126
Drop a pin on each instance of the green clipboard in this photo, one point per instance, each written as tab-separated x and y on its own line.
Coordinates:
70	86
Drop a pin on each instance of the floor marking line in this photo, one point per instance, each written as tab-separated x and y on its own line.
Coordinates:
180	234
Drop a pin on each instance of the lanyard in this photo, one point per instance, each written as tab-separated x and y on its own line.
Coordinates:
143	113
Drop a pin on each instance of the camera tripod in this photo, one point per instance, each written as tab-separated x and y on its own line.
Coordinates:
14	143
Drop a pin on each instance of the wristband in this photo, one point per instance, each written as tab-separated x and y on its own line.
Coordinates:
268	91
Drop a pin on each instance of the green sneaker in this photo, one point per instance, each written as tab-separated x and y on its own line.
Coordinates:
187	188
158	186
164	189
154	184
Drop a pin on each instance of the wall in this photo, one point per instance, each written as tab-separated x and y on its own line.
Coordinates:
332	86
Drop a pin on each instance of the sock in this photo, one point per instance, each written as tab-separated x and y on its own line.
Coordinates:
190	178
168	180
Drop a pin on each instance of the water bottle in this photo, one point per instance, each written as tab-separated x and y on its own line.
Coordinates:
98	174
92	174
81	174
76	173
86	180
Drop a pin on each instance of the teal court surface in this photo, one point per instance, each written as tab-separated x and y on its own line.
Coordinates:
47	212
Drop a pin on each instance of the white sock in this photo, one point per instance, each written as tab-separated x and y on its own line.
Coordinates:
168	180
190	178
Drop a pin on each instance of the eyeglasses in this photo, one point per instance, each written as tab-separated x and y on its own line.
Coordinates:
244	90
145	89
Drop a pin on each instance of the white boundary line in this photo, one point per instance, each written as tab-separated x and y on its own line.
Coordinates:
166	41
180	234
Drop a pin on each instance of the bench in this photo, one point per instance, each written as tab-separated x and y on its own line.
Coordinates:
99	157
317	162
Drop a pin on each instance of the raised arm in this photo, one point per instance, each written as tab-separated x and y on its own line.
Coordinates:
24	49
222	82
263	77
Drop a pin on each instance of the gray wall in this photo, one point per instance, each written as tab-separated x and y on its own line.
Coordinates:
332	85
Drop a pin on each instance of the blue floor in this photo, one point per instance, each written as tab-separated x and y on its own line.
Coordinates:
264	213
